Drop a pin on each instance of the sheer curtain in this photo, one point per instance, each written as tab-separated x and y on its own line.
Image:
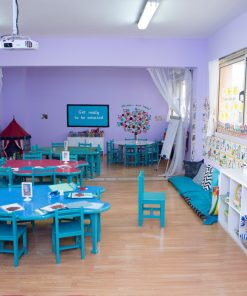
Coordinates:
1	80
213	71
175	86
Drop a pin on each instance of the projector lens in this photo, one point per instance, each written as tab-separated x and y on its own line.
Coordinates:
8	45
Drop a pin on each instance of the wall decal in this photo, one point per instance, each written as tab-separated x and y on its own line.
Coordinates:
134	119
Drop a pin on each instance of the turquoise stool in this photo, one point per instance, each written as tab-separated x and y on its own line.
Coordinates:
148	201
72	227
12	232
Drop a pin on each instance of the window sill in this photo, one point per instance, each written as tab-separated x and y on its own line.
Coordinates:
237	140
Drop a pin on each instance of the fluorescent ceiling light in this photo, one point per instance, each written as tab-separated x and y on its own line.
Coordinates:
147	14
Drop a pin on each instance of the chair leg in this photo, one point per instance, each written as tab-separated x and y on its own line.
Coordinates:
57	246
16	252
24	241
99	228
162	215
53	242
82	247
140	215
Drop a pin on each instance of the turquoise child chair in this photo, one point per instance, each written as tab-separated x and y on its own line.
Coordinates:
44	172
11	232
7	173
70	227
32	155
150	203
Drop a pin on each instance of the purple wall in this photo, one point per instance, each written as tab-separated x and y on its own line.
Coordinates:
42	88
228	39
29	92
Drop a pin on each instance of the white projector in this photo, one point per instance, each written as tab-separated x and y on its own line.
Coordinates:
17	42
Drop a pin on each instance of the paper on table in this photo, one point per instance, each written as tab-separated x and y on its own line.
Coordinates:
12	208
65	187
85	204
53	207
80	195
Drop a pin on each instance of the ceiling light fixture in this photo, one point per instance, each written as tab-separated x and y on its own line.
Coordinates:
147	13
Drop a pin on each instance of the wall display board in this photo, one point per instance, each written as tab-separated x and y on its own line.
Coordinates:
170	137
87	115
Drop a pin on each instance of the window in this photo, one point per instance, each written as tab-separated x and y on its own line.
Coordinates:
232	105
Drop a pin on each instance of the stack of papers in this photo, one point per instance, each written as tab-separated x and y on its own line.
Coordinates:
12	208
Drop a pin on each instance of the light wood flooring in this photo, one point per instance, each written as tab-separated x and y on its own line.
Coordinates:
186	258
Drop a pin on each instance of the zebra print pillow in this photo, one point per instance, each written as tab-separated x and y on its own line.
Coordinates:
206	182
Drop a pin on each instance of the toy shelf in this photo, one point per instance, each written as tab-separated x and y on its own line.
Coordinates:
233	203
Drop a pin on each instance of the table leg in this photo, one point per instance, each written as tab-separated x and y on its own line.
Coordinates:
98	164
94	219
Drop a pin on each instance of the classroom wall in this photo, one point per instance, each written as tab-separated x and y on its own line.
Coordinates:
229	38
43	79
32	91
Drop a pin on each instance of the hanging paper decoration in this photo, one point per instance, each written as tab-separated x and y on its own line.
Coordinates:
134	119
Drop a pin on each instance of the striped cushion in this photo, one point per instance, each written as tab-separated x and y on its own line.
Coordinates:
206	183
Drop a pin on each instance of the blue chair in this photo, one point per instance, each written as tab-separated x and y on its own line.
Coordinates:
7	173
2	161
32	155
72	226
150	203
131	155
113	154
84	144
44	172
11	232
57	144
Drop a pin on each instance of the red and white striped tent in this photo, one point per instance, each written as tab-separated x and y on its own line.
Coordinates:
13	134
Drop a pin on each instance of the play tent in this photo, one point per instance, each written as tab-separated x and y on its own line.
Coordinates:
13	139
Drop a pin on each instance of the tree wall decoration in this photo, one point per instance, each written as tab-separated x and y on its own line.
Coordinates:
134	119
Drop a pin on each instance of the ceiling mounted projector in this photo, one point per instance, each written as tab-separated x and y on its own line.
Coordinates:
16	41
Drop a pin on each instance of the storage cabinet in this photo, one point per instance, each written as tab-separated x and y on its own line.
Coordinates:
95	141
233	204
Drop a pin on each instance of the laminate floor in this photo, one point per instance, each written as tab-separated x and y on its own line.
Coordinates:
186	258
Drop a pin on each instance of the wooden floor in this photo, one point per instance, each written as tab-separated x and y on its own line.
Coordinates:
186	258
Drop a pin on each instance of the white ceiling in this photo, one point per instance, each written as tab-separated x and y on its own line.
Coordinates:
117	18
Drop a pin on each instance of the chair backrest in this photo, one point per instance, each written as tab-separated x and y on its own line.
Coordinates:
32	155
57	144
140	185
6	171
10	217
2	161
62	214
35	148
44	172
130	148
84	144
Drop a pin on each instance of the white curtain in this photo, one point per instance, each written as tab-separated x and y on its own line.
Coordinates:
1	80
213	70
175	86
